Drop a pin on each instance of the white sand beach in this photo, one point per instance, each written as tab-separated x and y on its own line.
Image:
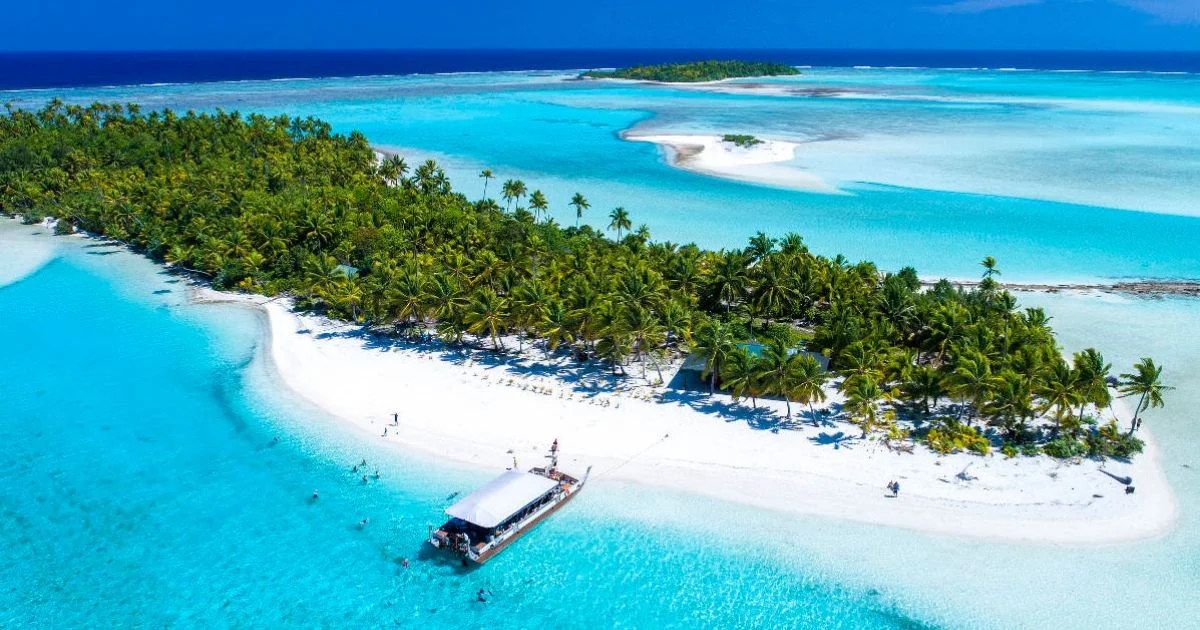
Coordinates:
485	410
764	163
21	255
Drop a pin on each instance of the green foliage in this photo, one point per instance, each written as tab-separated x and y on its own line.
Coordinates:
284	205
697	71
741	140
1109	441
64	227
953	436
1064	447
1009	450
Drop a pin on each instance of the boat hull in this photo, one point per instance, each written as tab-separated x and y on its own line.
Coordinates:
491	553
442	541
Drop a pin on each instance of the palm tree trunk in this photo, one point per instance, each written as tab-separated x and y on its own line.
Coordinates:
813	414
1136	410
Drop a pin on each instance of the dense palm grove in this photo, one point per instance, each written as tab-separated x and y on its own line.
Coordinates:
697	71
283	205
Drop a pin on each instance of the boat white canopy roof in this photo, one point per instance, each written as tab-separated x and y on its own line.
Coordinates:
501	498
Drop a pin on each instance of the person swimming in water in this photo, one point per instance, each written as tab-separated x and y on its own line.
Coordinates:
314	494
482	595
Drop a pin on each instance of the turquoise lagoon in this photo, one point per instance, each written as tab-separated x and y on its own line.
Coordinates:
144	487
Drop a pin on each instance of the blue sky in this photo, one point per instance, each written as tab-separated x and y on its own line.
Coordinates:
245	24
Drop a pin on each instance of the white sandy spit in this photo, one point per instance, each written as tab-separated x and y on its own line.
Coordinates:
763	163
20	255
486	411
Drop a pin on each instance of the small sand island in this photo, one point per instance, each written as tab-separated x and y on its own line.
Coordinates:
740	157
767	375
695	71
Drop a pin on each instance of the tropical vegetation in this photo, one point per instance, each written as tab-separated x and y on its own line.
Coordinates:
281	205
696	71
741	140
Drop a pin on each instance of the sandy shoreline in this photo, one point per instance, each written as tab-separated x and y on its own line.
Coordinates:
485	412
763	163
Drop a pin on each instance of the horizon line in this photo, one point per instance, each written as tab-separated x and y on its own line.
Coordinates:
590	49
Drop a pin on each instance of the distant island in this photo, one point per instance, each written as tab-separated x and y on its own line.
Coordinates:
696	71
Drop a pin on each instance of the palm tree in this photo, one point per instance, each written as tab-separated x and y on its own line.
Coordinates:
973	382
508	192
924	383
792	243
1012	403
989	267
741	376
349	294
530	305
409	296
774	292
446	299
862	398
393	168
619	221
1092	379
557	326
1060	392
729	280
488	313
430	177
580	204
538	202
1145	382
714	341
644	328
809	384
779	371
486	174
518	190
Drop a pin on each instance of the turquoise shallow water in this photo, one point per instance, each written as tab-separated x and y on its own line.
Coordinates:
141	486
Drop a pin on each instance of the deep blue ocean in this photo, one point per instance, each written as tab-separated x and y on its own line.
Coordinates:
61	69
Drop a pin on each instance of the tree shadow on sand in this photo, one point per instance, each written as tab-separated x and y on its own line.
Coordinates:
587	378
